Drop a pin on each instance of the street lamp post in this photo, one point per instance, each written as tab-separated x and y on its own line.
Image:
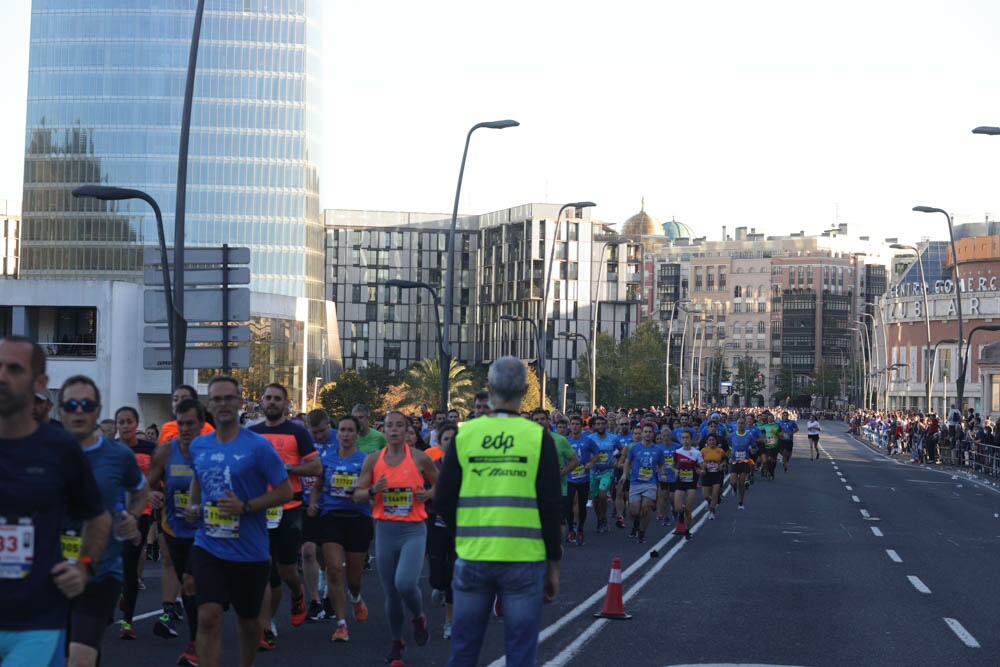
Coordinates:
864	366
175	320
544	318
670	336
870	367
591	359
443	361
964	359
449	279
927	314
960	380
888	372
873	343
596	312
946	341
518	318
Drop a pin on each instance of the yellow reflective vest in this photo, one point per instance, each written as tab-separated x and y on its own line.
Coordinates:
498	517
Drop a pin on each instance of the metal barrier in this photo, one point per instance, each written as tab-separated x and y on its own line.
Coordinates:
976	457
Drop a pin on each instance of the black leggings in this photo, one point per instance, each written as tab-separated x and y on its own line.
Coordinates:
582	491
441	558
131	553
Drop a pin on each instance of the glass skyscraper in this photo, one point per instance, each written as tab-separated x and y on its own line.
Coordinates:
105	93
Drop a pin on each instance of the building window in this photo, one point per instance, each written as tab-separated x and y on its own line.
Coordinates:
64	332
356	294
761	328
762	307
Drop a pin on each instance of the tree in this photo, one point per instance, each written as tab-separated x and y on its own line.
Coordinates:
718	372
786	383
826	383
530	401
395	399
340	397
748	381
423	384
379	377
641	359
608	371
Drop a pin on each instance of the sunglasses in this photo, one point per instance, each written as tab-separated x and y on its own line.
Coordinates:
86	405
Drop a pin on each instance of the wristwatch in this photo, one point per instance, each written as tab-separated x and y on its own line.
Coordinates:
246	507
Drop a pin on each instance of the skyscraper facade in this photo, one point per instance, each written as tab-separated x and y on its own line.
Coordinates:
105	92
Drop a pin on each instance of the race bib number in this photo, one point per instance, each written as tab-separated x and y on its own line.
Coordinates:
579	471
216	525
686	475
645	474
274	517
397	502
740	454
669	461
180	503
17	549
342	483
71	544
712	466
603	457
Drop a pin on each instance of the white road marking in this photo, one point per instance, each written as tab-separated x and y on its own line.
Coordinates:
962	633
927	481
894	556
856	499
865	514
876	532
919	585
848	488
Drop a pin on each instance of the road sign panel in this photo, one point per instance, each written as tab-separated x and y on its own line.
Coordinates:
237	333
158	358
200	305
238	275
151	255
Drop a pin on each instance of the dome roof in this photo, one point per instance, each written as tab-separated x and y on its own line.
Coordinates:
675	230
642	224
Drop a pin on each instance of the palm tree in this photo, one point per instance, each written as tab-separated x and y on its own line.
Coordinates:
423	384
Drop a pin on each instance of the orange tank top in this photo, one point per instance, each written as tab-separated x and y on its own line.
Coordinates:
398	502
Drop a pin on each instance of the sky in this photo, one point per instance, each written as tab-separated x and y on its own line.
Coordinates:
779	116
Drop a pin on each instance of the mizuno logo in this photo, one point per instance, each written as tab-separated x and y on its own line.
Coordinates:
479	471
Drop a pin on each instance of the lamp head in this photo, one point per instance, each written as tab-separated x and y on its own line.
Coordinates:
404	284
988	130
929	209
511	318
104	192
499	124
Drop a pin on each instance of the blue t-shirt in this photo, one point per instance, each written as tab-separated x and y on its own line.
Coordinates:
670	475
741	444
332	442
645	464
176	483
116	471
606	447
246	466
788	428
680	429
584	447
340	476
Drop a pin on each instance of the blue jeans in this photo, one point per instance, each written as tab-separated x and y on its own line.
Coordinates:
476	583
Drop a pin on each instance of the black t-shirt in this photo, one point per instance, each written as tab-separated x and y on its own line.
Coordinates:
45	480
293	444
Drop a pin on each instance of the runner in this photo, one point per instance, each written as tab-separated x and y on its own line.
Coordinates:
688	464
813	428
343	527
400	480
171	466
668	480
237	476
324	437
134	554
568	460
295	448
788	429
579	480
118	476
711	480
645	463
441	554
743	445
369	439
602	475
770	431
45	483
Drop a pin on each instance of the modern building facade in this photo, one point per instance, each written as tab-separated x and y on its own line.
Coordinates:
105	92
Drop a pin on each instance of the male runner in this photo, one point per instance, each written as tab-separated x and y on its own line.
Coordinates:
118	475
324	437
237	476
788	429
645	463
295	447
579	479
603	473
688	464
369	440
743	444
770	431
45	482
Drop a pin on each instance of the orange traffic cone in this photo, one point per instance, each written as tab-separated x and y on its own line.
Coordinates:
614	608
681	528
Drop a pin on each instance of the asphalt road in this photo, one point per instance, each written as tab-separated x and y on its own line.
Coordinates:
853	559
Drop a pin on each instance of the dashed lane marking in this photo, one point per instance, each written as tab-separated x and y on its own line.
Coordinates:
962	633
856	499
876	532
894	556
919	585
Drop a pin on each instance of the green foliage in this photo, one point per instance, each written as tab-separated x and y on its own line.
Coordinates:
826	381
629	374
340	397
530	401
423	385
379	377
718	372
747	380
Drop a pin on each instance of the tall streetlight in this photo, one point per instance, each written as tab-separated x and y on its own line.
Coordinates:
964	359
873	343
449	278
864	366
175	320
596	312
870	368
680	373
927	313
591	357
518	318
670	336
946	341
443	361
960	380
545	291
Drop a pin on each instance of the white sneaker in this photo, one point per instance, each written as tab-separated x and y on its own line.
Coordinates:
274	628
711	516
447	630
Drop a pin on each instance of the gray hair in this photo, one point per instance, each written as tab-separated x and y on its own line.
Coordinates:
508	378
361	408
